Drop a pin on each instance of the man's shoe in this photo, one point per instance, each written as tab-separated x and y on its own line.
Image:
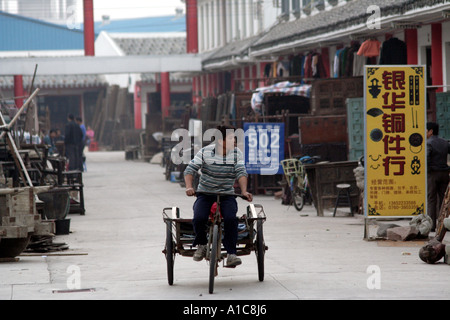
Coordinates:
233	260
200	253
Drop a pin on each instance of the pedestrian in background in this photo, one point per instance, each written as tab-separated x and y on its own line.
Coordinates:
79	121
438	170
72	140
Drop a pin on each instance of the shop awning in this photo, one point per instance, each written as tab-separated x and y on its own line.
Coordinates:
286	87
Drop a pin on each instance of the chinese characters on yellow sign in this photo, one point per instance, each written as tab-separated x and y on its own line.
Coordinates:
395	155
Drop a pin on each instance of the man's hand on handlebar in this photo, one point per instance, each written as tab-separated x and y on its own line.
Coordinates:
248	196
190	192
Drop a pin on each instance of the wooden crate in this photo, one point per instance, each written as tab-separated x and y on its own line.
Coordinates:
328	96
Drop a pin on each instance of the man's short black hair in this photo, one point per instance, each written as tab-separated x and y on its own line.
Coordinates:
70	116
225	129
79	119
433	126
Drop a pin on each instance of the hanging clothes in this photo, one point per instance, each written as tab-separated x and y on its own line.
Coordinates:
317	66
283	69
267	70
336	63
370	48
393	52
296	65
307	66
358	64
350	58
343	61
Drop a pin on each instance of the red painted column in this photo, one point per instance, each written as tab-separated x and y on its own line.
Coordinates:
137	106
165	94
18	90
205	85
436	55
89	35
214	84
412	47
191	26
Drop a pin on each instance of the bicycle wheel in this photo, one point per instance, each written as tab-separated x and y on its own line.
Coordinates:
213	259
298	199
170	252
260	249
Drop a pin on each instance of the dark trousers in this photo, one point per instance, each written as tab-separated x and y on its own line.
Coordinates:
437	185
72	155
80	156
228	209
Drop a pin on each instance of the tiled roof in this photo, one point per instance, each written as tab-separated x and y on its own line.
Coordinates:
56	81
340	17
233	49
148	44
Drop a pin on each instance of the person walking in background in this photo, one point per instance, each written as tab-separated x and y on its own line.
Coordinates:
81	158
438	170
89	136
72	140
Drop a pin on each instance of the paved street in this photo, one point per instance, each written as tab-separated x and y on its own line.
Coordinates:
115	251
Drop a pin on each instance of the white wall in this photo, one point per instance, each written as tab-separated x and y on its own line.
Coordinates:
423	41
241	21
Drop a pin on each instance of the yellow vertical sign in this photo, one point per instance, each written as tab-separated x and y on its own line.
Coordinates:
395	141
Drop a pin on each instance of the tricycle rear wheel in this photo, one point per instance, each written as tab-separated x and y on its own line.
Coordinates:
170	253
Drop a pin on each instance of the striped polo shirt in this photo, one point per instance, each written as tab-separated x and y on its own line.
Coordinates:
218	172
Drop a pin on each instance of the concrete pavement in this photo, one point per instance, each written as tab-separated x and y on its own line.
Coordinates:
115	251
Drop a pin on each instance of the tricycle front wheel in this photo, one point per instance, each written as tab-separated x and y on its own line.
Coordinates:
260	249
213	259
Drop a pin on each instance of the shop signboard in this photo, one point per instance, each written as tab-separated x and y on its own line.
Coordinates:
264	148
395	141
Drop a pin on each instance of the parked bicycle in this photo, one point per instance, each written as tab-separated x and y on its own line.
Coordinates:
295	174
297	179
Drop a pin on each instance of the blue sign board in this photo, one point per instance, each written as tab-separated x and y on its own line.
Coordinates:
264	148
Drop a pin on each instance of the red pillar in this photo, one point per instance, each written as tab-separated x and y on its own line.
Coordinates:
191	26
412	47
89	35
18	90
137	106
436	55
205	85
165	94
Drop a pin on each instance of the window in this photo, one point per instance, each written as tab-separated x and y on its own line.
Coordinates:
306	4
296	7
284	8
